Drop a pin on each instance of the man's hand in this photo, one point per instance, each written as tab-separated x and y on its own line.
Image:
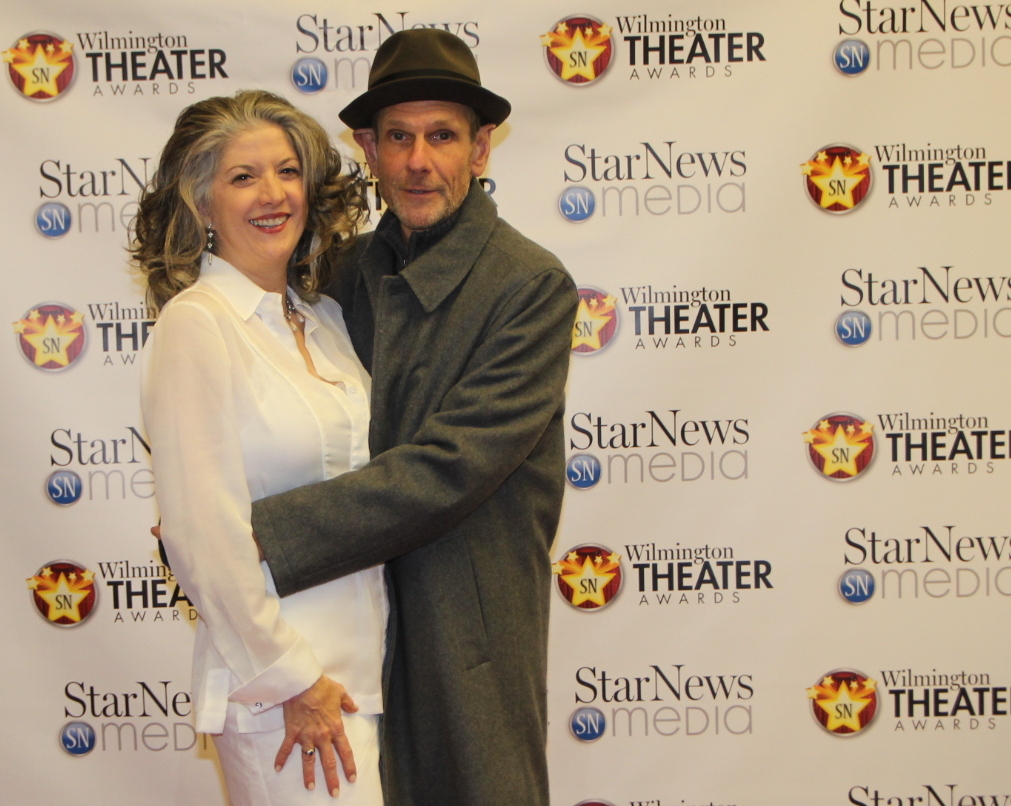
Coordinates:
312	719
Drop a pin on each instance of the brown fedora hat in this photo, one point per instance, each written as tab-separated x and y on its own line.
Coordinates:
424	64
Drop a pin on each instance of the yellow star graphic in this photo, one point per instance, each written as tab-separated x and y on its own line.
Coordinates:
589	584
41	73
51	344
843	711
578	57
840	454
64	602
587	328
837	186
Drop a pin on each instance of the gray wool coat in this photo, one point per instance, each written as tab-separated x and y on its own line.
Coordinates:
469	347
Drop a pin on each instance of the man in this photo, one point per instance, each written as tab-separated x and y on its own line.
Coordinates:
466	327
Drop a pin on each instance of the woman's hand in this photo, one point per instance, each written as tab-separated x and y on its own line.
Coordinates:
312	719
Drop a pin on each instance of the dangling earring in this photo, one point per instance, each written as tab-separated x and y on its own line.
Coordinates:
210	242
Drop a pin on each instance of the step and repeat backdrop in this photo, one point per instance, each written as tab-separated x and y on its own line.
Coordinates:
784	567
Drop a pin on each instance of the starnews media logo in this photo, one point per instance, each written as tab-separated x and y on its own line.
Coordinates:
596	321
844	702
851	57
587	724
840	446
578	50
583	471
577	203
78	738
837	178
40	65
63	593
853	328
64	487
51	336
589	577
309	75
856	585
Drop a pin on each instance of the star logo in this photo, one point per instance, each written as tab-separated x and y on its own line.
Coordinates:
51	336
63	593
844	702
840	446
40	65
596	321
589	576
837	178
578	50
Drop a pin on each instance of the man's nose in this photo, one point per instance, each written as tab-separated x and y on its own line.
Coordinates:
419	158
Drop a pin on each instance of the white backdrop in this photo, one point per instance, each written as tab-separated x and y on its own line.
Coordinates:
663	151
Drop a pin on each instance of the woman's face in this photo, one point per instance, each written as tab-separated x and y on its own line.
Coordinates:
258	205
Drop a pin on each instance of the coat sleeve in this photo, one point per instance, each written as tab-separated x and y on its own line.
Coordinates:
489	423
191	419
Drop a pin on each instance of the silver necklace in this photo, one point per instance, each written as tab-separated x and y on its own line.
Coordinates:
294	319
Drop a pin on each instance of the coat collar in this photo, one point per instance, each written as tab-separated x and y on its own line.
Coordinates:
436	273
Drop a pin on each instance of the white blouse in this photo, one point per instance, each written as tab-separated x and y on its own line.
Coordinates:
233	415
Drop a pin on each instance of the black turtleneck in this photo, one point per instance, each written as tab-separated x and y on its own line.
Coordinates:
404	252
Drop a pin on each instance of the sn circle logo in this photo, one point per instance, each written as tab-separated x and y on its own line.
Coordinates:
589	577
856	585
51	336
64	487
53	219
596	321
40	65
851	57
587	724
309	75
77	738
583	471
853	328
577	203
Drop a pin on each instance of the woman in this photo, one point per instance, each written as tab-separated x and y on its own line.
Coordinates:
250	387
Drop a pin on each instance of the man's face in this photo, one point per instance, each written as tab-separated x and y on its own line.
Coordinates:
424	156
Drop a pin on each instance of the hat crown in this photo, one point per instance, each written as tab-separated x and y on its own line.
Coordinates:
424	64
420	53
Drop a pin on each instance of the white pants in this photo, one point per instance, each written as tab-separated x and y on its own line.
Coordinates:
247	760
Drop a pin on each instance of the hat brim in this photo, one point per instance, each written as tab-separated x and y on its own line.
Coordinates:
360	113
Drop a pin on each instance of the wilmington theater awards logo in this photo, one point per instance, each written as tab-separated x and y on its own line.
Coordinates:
589	576
51	336
596	321
837	178
40	66
64	593
578	50
844	702
840	446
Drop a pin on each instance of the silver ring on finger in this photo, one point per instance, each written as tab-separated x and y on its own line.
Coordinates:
310	752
